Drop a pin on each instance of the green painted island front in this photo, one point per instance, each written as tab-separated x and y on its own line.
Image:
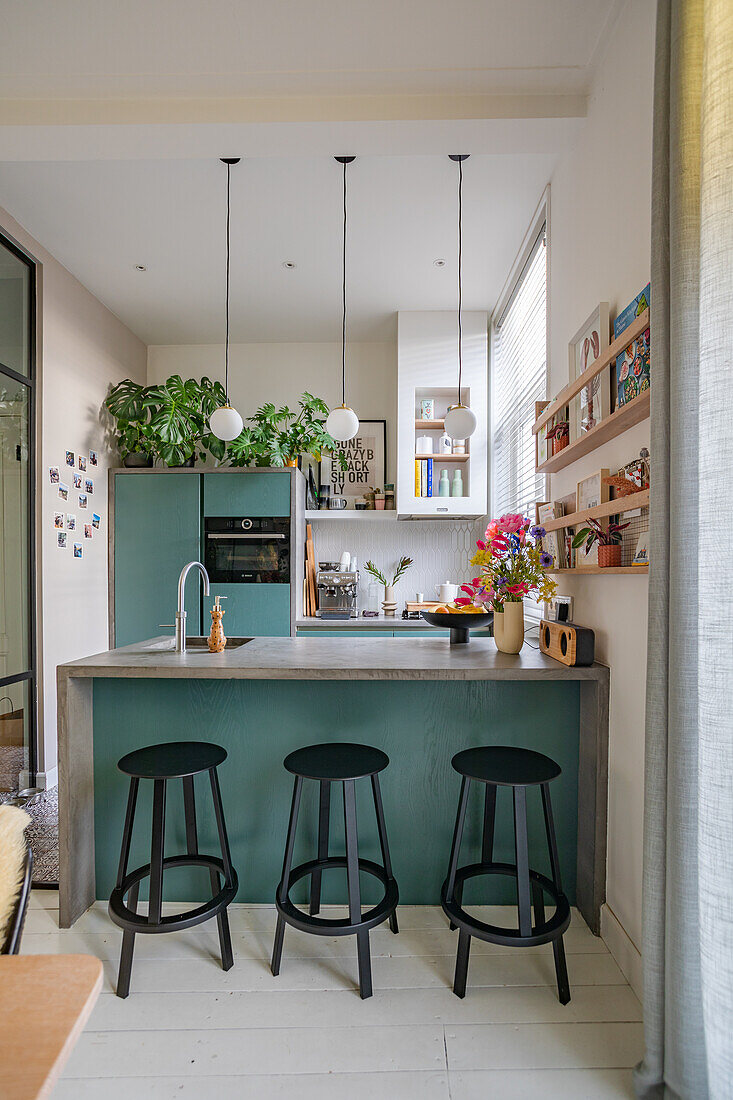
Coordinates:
421	700
420	725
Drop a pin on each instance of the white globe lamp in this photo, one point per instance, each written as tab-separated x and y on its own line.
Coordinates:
460	422
226	423
342	423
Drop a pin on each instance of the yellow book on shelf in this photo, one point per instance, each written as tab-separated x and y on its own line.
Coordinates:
418	477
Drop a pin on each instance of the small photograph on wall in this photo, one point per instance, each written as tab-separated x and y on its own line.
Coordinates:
82	500
93	458
61	540
366	456
82	463
70	521
87	530
593	403
78	552
63	491
70	459
53	473
78	481
96	520
58	520
88	486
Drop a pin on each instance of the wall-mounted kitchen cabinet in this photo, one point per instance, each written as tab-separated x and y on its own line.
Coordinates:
427	371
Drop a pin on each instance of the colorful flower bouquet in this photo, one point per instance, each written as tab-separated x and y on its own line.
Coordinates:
512	565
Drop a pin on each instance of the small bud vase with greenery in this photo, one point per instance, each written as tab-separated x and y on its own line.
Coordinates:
512	565
609	542
390	603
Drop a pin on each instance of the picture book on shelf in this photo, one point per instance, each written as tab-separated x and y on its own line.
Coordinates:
632	365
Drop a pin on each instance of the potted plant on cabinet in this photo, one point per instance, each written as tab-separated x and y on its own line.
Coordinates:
134	436
608	539
390	604
278	436
179	419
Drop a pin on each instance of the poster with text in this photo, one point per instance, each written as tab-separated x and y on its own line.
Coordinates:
365	465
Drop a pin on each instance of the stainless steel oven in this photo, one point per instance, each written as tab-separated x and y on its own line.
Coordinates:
247	550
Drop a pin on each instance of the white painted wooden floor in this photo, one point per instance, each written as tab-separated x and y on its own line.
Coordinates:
189	1031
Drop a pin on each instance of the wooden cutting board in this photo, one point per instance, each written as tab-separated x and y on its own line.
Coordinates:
310	572
427	605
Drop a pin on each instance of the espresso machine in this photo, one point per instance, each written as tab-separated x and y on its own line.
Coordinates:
337	593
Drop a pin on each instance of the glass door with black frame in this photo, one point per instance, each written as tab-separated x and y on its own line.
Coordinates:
17	556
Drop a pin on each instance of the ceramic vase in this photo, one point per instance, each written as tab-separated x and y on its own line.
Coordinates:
390	603
509	628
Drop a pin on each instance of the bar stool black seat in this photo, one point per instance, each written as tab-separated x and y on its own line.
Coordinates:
175	760
498	766
336	763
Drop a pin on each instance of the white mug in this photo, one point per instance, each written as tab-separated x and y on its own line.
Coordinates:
446	592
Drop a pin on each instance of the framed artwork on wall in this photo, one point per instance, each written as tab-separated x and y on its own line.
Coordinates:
593	403
366	458
590	492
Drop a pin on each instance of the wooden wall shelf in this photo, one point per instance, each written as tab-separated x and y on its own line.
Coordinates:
600	511
444	458
430	425
619	421
592	570
573	388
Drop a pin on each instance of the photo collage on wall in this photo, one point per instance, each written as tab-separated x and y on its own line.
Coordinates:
80	470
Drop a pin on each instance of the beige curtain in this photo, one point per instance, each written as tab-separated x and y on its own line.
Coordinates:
688	856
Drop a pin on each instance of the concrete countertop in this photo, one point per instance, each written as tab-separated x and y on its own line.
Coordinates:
381	622
316	658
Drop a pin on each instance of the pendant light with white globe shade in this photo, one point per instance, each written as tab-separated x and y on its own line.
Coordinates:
225	422
342	423
460	420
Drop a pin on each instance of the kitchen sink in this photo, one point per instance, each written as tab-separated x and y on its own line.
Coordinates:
195	643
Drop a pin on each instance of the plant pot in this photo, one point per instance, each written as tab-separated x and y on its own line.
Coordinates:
609	557
509	628
187	465
390	603
560	443
291	462
379	502
137	460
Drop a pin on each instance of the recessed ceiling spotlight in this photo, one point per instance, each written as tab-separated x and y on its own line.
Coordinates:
439	263
289	264
140	267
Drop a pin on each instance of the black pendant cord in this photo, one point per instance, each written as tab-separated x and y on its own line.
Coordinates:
460	277
343	320
226	346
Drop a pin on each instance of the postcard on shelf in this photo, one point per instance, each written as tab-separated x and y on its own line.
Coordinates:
633	364
593	403
641	557
552	542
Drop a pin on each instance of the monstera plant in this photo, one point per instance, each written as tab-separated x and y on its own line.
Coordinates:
169	421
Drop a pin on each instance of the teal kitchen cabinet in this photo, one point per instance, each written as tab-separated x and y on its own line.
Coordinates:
156	531
251	610
248	493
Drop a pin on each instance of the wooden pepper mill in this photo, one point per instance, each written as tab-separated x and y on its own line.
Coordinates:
217	638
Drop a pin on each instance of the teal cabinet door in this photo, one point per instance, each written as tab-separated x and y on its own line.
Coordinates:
251	610
254	493
157	524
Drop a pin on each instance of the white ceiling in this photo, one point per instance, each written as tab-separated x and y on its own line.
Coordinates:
101	218
113	115
215	48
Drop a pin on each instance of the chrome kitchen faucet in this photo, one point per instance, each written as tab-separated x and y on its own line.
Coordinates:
181	613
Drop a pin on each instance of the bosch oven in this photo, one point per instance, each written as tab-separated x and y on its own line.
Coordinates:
247	550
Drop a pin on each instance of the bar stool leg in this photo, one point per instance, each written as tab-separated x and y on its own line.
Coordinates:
324	816
456	847
487	844
128	938
352	879
284	884
155	905
381	826
522	860
558	947
464	947
192	848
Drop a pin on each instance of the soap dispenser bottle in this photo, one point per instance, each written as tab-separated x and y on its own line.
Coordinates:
217	638
444	484
457	486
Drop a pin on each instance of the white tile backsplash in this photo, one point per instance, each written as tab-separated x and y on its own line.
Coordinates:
440	548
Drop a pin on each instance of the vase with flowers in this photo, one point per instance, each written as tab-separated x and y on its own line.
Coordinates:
608	539
512	565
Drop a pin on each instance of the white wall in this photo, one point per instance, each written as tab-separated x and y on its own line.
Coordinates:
601	235
82	348
280	372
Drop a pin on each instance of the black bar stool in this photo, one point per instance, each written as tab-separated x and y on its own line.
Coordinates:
336	763
518	769
177	760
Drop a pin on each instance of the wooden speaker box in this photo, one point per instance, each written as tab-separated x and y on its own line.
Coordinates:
573	645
